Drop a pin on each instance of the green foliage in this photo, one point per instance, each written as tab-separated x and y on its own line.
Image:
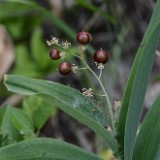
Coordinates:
38	49
15	125
134	142
24	64
21	8
19	124
17	26
70	100
133	98
35	62
39	110
147	145
45	149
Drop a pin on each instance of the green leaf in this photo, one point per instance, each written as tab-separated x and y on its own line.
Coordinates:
3	136
15	124
133	97
17	26
70	100
22	122
19	10
39	110
2	112
24	65
59	23
7	128
45	149
147	144
38	49
138	92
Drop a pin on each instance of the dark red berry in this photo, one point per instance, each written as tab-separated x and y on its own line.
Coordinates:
84	37
54	54
65	68
101	56
89	37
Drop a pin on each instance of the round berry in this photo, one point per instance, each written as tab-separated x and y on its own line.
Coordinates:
54	54
65	68
84	37
101	56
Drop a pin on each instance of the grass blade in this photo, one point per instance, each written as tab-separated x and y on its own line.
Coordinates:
45	149
147	144
141	67
138	92
70	100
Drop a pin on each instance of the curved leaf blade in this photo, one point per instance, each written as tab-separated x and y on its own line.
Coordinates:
142	54
22	122
39	109
70	100
45	149
147	144
138	92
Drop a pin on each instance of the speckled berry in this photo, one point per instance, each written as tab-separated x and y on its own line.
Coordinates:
65	68
84	37
101	56
54	54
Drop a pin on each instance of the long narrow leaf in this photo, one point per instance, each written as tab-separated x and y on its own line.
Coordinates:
142	63
147	144
68	99
138	92
45	149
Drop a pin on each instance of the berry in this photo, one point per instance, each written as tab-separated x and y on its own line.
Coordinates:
101	56
84	37
54	54
65	68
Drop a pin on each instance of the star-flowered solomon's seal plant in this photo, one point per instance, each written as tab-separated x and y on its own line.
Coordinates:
125	136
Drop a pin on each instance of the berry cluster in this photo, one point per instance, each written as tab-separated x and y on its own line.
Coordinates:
100	56
64	67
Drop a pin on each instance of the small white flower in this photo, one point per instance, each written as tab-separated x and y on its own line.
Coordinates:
109	129
75	68
53	41
62	54
99	65
48	43
82	47
87	92
66	45
117	105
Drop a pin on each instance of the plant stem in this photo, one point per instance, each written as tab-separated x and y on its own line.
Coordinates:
83	58
100	74
105	93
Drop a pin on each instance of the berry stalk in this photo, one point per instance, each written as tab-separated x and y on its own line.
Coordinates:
105	93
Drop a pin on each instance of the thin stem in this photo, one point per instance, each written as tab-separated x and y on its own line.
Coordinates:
100	95
105	93
82	68
82	57
100	74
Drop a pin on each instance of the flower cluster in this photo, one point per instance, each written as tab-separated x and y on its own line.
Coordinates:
53	41
87	92
64	67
